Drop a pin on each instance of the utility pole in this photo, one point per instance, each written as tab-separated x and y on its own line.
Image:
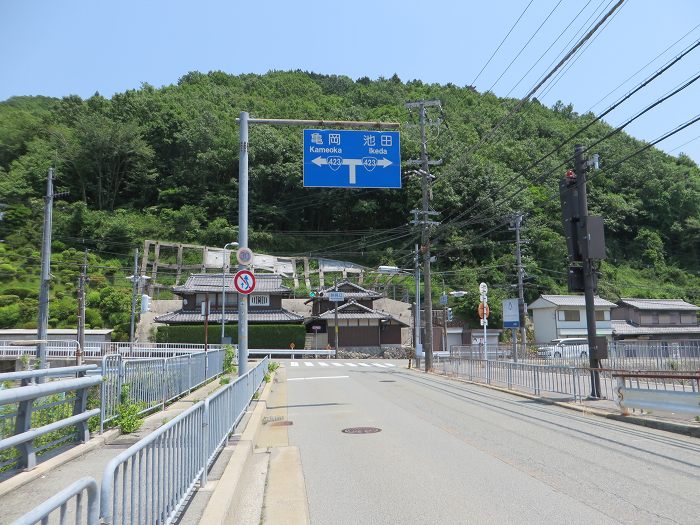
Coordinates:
426	224
134	292
416	318
337	330
589	275
42	325
82	280
516	225
585	242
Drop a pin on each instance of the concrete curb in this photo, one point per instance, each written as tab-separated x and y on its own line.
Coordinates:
42	468
224	492
669	426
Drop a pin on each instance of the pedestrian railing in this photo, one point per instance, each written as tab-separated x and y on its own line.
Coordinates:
62	502
150	481
37	417
96	350
565	380
153	382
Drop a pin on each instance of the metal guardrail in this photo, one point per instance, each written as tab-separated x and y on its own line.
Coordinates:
292	353
153	382
684	399
62	501
150	481
22	437
96	350
536	378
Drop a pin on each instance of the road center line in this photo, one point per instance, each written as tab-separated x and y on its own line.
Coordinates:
317	377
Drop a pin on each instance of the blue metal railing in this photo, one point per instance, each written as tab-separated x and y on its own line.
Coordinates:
153	382
150	481
62	501
19	430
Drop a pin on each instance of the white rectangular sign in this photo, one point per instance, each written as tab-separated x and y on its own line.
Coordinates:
511	316
260	300
337	297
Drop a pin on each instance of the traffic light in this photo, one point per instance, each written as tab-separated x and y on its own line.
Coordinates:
568	193
449	314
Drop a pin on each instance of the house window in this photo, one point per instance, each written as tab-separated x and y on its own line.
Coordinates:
647	319
664	318
690	318
260	300
602	315
569	315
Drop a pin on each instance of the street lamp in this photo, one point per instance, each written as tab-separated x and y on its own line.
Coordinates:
223	289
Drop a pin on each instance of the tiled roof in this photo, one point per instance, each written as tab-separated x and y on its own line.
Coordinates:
212	282
659	304
570	300
351	290
254	316
353	310
625	328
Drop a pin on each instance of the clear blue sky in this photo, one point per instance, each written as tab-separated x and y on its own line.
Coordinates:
63	47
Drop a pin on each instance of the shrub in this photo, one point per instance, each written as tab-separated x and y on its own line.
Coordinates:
6	300
128	419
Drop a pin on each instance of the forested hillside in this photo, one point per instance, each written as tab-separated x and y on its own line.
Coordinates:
163	164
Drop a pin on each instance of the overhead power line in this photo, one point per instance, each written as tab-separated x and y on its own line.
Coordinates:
502	42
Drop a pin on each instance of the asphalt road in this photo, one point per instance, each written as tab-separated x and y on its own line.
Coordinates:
451	453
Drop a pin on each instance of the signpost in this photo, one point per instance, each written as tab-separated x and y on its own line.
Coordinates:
511	319
351	159
244	256
336	297
484	314
244	281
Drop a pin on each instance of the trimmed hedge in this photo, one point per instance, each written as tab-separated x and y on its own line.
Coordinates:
259	336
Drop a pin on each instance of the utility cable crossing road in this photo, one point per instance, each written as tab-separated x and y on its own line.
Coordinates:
424	449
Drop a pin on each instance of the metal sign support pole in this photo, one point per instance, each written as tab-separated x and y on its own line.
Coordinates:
243	241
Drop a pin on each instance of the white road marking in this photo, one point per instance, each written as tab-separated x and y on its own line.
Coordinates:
317	377
389	364
351	364
364	364
379	365
294	363
337	364
324	364
308	364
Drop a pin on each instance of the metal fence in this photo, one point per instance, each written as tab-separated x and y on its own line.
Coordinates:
622	355
96	350
35	418
151	481
533	378
62	502
152	382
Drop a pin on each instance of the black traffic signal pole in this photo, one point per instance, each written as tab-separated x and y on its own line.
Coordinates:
589	276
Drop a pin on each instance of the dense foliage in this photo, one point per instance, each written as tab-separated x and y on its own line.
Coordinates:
163	163
259	336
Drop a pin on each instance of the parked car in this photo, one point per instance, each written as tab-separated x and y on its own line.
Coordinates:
570	347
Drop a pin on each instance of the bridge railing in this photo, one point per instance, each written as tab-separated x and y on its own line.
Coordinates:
152	382
62	501
150	481
640	390
33	416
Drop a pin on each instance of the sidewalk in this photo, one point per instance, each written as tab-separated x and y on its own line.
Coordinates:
90	459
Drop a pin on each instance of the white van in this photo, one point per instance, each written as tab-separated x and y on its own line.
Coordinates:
569	347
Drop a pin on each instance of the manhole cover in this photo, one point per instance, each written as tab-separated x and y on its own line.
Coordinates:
281	423
361	430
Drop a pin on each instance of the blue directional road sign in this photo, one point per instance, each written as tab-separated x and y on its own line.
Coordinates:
351	159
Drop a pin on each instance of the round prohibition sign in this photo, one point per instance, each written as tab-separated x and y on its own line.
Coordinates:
244	281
